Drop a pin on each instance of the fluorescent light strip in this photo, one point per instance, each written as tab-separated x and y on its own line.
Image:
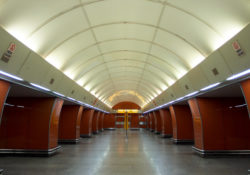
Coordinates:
44	88
71	98
179	99
40	87
191	94
11	76
87	105
235	76
7	104
80	102
210	86
58	94
162	106
239	106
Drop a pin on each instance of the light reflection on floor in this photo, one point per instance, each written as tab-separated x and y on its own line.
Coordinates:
109	153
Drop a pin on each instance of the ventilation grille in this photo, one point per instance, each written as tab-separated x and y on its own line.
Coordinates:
215	71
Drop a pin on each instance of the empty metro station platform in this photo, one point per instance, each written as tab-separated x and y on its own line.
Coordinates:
148	87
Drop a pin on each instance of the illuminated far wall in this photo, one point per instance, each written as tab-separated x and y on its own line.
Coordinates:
126	107
130	111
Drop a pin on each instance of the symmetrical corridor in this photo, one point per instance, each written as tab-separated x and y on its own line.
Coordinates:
76	74
110	153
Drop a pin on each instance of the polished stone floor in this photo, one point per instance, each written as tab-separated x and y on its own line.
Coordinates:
109	153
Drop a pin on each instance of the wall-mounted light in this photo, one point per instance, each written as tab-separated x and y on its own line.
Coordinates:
40	87
241	74
11	76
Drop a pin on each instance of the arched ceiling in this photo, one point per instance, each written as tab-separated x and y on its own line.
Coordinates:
124	50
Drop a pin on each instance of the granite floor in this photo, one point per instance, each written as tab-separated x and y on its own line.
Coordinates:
110	153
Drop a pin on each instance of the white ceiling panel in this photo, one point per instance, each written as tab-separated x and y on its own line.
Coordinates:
119	10
49	35
121	30
132	45
62	54
195	31
28	16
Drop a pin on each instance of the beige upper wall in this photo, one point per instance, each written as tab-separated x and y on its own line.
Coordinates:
31	67
225	60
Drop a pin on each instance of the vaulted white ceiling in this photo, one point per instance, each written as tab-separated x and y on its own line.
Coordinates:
124	50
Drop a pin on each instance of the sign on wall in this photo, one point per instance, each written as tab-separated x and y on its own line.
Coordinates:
8	54
237	48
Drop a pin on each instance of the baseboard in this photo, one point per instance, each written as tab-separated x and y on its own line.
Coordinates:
26	152
182	141
69	141
134	128
96	132
221	153
166	135
85	135
157	132
109	129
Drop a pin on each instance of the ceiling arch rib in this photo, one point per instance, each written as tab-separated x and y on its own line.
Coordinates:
84	4
112	93
131	68
147	86
166	63
142	97
152	70
143	92
167	72
148	78
127	22
89	76
127	98
107	86
106	99
151	85
180	59
157	84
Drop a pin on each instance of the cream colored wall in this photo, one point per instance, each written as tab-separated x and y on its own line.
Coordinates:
32	68
224	59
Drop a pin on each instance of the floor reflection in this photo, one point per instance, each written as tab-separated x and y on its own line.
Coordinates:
109	153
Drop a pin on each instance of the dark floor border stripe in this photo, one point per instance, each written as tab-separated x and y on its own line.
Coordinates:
221	153
24	152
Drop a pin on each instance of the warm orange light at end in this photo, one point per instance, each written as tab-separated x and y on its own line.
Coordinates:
122	111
